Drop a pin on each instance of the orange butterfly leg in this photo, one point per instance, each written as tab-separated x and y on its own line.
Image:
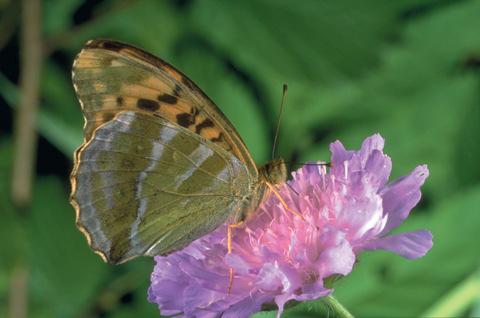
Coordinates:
229	248
282	201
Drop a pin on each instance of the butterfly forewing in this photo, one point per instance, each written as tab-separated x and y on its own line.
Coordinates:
110	77
144	185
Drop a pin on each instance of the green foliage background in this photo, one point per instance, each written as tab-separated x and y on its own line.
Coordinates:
409	70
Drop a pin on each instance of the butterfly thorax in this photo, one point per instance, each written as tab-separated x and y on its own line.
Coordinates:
273	172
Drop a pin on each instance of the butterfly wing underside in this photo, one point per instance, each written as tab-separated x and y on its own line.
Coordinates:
129	199
145	186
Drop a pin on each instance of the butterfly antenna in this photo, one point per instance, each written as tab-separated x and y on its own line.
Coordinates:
284	95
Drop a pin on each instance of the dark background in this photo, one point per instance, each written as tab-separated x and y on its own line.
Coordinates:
409	70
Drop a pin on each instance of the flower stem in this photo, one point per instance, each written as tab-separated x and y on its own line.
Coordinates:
337	307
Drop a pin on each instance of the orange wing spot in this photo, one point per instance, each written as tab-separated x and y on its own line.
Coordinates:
218	138
155	84
211	133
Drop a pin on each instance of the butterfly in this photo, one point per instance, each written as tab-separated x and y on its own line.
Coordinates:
160	164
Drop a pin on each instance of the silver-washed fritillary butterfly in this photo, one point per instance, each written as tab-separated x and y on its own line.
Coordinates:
160	164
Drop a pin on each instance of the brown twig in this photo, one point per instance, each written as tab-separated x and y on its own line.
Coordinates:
25	133
18	293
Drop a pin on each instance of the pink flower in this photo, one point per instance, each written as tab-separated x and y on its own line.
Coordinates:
278	257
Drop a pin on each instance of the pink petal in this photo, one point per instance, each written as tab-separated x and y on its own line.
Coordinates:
410	245
339	259
339	154
247	307
370	144
401	196
237	263
196	296
380	166
271	278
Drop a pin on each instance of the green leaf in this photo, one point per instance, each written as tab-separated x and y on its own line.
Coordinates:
58	14
135	281
476	308
458	299
55	128
13	250
152	25
13	243
65	272
311	41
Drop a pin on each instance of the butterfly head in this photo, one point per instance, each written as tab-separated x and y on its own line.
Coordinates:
274	171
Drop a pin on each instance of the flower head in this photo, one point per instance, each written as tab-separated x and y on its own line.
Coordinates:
278	257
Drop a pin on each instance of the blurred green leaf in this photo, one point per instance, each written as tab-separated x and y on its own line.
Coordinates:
10	218
458	299
59	132
310	41
58	14
13	244
135	282
152	25
65	272
476	308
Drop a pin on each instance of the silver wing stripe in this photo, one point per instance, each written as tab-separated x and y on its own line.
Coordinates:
156	154
198	156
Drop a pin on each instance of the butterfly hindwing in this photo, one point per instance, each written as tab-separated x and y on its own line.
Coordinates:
111	76
144	185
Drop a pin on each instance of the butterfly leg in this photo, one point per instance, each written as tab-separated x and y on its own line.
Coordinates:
229	249
282	201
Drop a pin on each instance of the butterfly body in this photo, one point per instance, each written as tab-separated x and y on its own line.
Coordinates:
160	164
